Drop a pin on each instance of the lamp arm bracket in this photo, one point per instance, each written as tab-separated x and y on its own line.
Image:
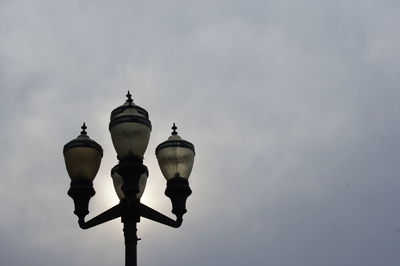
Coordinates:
155	216
110	214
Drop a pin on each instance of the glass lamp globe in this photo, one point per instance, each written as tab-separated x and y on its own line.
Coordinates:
175	156
118	182
130	129
82	157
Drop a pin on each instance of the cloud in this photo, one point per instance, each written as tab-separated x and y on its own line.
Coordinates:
292	108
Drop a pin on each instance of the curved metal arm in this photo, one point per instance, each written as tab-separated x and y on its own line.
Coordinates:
104	217
154	215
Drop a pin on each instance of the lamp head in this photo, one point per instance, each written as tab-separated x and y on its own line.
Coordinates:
175	156
130	129
82	157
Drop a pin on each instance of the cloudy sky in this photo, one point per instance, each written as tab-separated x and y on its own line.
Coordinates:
293	107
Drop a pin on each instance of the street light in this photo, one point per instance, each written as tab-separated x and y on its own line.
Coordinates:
130	129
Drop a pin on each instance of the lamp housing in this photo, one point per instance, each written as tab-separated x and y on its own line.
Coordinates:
175	156
130	129
82	157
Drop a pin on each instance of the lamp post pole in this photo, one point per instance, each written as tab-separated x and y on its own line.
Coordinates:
130	131
130	243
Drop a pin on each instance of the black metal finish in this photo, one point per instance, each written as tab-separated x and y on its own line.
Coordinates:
83	141
130	244
84	127
106	216
174	128
130	118
155	216
130	209
130	104
178	191
175	143
81	191
131	171
129	96
128	158
122	108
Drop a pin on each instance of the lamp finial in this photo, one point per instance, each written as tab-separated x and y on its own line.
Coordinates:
83	132
174	128
129	95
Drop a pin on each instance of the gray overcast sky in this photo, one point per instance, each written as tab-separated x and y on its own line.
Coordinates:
293	107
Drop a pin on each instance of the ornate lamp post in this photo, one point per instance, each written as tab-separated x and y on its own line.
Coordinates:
130	129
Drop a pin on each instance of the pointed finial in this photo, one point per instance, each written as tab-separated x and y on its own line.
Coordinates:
174	128
129	98
83	132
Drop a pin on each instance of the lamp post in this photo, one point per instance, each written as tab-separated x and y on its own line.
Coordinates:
130	129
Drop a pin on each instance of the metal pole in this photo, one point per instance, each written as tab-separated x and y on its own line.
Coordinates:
130	243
